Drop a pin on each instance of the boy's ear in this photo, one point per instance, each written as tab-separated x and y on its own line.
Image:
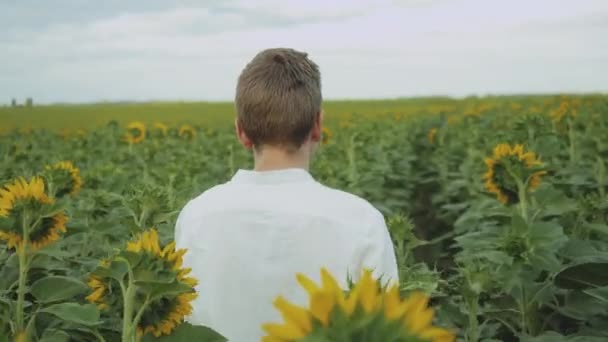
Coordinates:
315	134
241	135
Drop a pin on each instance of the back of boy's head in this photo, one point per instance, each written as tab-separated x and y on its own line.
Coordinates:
278	98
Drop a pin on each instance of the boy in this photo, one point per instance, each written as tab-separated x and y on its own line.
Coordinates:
248	238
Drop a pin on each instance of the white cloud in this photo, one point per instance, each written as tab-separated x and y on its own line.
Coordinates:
366	49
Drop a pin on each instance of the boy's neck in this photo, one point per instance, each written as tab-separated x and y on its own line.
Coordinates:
273	158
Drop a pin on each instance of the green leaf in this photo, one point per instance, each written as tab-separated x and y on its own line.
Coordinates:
52	335
555	337
86	314
518	223
597	227
581	306
156	290
57	288
133	258
187	333
154	277
600	293
117	270
583	275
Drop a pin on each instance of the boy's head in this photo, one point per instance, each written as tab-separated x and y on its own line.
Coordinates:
278	100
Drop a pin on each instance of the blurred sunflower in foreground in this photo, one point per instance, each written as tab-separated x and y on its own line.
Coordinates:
64	178
367	312
29	215
147	284
511	172
187	132
136	132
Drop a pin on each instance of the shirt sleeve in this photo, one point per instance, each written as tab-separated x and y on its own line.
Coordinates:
380	252
179	228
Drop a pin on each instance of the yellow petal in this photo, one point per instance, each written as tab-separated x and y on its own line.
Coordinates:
283	331
417	322
394	308
321	306
307	284
294	314
438	335
168	248
368	292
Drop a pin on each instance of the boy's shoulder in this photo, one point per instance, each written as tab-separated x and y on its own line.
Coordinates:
349	201
319	198
206	198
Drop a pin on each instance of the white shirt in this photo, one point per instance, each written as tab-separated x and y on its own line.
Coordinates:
248	238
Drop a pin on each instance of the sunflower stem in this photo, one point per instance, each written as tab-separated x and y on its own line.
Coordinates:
139	314
23	266
572	147
472	329
523	205
127	314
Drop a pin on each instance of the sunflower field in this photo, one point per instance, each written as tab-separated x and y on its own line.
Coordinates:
498	209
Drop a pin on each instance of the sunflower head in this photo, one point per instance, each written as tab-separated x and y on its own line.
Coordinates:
65	178
136	132
367	311
187	132
161	128
508	167
151	264
27	202
565	110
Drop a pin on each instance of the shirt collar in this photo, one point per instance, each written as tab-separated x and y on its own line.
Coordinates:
292	175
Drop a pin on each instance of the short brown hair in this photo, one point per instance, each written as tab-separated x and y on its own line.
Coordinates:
278	98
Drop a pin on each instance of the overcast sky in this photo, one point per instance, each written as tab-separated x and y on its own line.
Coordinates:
80	51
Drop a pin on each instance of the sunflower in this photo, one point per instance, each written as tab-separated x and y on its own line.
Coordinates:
506	162
187	131
136	132
48	231
22	195
431	135
366	309
166	313
565	109
162	128
22	191
66	170
99	289
326	135
162	314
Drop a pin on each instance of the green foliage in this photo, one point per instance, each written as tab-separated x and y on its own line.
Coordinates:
533	271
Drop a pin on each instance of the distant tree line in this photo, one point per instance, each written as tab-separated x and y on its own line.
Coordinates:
29	102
